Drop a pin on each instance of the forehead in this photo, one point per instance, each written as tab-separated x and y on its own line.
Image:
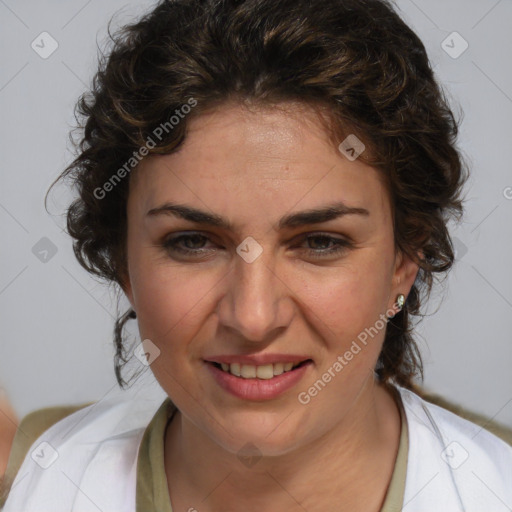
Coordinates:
236	159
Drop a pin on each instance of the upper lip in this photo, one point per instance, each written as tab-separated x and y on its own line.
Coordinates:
258	360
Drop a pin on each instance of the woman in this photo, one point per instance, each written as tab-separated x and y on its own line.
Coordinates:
269	183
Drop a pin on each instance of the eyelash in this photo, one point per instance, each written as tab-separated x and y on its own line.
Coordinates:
342	245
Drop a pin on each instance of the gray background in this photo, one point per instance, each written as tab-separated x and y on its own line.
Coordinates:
56	321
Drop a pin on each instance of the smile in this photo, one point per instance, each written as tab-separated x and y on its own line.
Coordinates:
258	382
266	371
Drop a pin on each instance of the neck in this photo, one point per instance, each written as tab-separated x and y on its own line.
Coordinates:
340	467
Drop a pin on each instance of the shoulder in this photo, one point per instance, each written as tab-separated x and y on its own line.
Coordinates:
457	418
96	444
460	463
489	424
31	426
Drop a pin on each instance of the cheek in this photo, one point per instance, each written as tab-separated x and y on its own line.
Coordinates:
347	302
170	302
174	303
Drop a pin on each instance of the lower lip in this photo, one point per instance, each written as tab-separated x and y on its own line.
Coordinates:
258	389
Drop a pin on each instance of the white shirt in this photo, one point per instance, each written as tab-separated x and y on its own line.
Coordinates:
88	462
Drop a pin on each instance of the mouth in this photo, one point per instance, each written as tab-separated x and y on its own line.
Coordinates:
258	382
262	372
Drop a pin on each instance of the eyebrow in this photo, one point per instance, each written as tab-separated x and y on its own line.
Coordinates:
293	220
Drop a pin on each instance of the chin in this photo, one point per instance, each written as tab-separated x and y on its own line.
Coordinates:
270	438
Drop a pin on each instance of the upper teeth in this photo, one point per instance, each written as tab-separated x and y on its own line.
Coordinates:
266	371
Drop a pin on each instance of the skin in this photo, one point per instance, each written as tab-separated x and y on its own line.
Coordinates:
253	167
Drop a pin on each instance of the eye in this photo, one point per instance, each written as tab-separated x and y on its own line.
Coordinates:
340	245
194	244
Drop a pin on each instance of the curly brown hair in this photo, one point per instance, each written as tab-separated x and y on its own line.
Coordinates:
356	61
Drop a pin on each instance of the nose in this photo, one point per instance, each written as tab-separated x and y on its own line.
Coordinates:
257	303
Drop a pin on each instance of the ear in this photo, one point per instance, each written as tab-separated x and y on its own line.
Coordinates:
403	279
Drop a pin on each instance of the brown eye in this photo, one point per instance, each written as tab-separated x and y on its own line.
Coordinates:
187	244
319	248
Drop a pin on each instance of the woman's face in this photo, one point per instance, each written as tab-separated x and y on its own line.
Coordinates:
253	284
